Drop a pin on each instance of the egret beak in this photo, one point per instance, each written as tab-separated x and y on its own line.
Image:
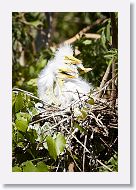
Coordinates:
72	60
82	69
67	73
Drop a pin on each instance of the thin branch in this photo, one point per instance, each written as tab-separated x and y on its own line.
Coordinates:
89	151
104	80
54	126
83	31
32	96
28	93
58	165
104	165
114	31
92	36
44	118
113	92
77	140
74	160
85	140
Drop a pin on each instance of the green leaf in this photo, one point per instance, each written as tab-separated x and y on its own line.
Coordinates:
32	82
20	137
108	30
20	144
32	135
87	42
42	167
34	111
19	104
35	23
76	125
111	61
84	113
28	166
21	124
60	143
22	115
108	56
13	98
103	38
16	169
51	147
91	101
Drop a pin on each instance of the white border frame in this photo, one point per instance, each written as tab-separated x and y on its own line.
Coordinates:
120	177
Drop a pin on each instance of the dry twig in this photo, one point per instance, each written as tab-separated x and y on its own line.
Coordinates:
83	31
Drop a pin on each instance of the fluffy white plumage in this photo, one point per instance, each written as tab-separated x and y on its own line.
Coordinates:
59	82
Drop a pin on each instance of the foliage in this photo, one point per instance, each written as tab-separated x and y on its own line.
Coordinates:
111	163
33	150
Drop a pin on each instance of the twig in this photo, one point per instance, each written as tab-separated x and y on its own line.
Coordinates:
92	36
104	86
29	94
44	118
104	165
104	80
58	166
88	151
35	97
98	121
83	31
77	140
54	126
74	160
114	45
85	140
113	92
114	142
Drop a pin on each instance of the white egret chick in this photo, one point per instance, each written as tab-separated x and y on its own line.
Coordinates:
59	82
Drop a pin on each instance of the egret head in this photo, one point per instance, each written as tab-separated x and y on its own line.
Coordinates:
70	66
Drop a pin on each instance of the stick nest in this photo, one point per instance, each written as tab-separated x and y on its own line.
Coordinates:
91	135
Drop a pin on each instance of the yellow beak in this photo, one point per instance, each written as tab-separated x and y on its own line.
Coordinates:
67	73
72	60
81	68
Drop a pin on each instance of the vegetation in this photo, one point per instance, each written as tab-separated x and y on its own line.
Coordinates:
65	143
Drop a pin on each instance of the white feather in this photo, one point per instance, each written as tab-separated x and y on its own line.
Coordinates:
64	50
48	76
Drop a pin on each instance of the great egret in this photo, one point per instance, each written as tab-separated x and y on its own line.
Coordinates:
59	82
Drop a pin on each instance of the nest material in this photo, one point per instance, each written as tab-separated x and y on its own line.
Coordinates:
91	136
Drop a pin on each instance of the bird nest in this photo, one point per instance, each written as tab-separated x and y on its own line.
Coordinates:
91	135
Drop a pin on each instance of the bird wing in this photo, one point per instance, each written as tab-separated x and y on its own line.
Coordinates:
45	83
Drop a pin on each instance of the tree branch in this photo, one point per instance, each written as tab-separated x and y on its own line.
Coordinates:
114	45
104	80
83	31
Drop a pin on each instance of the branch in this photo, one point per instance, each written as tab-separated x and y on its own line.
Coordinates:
113	92
83	31
104	80
92	36
104	165
85	140
16	90
27	93
114	45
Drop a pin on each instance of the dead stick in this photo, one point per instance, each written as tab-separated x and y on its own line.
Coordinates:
83	31
85	140
114	45
104	165
104	80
